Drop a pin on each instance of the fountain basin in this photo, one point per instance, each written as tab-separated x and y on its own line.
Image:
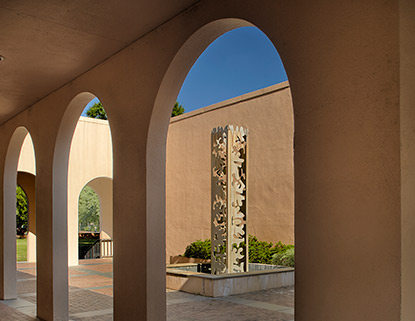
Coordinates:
184	277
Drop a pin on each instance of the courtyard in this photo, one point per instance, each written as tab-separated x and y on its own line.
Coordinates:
90	298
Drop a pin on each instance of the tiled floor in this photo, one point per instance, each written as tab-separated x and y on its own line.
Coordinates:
90	298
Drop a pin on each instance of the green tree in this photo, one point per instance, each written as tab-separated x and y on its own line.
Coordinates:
21	211
88	210
177	109
98	111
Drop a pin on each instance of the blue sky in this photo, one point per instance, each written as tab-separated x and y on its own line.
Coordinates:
238	62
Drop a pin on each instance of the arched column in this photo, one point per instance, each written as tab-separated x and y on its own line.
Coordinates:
27	183
51	221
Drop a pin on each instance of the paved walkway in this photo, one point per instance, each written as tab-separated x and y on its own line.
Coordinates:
90	298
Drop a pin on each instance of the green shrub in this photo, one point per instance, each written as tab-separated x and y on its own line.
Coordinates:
262	252
259	251
199	249
285	258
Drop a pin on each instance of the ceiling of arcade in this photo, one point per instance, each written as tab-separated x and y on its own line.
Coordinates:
46	43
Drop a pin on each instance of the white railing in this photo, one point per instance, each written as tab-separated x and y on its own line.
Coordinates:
106	248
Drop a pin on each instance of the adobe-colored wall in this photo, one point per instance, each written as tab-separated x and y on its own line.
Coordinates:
268	115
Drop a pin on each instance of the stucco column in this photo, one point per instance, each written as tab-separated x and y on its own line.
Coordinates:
139	239
52	257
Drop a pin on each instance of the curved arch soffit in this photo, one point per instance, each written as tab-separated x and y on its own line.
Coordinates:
99	179
106	180
31	176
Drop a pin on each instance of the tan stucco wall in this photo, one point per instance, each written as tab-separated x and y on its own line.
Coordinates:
268	115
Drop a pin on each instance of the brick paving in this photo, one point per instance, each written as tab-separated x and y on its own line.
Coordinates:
90	298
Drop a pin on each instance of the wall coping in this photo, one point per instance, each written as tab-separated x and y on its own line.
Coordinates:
232	101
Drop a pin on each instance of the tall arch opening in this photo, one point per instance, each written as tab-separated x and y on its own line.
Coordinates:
83	152
268	223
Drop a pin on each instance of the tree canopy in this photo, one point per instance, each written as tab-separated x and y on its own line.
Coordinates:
177	109
97	111
88	210
21	211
